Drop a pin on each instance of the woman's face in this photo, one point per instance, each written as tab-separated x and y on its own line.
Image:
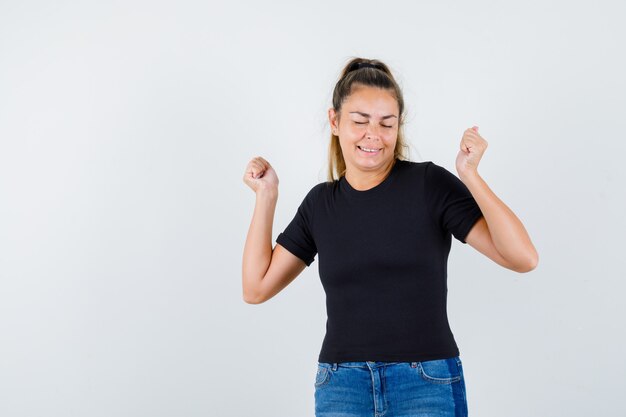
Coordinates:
367	128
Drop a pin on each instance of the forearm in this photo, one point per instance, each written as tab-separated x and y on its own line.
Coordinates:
507	232
257	252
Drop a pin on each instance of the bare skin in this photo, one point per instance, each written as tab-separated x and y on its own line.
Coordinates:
499	234
369	122
368	119
265	271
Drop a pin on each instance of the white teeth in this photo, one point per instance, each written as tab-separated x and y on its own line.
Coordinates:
368	150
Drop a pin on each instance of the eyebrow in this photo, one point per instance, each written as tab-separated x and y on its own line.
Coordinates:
367	115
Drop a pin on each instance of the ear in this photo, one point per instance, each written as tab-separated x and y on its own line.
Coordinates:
332	119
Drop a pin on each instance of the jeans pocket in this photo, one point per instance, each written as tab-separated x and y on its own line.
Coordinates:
322	376
441	371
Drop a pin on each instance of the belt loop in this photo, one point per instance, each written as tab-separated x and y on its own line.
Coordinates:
334	366
413	364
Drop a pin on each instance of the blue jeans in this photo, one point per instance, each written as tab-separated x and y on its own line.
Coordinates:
391	389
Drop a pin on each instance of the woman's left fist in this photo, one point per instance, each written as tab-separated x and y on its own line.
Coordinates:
472	148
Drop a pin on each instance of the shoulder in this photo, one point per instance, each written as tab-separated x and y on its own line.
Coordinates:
323	187
318	190
405	164
430	175
412	169
434	172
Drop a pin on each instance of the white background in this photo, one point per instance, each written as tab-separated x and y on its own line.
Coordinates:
125	130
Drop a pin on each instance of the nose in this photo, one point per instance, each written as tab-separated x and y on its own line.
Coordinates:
373	130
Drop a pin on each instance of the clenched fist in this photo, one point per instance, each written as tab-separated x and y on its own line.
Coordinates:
473	147
260	176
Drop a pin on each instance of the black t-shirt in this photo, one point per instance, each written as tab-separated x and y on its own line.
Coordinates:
383	257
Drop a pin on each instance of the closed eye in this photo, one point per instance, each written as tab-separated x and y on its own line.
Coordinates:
364	123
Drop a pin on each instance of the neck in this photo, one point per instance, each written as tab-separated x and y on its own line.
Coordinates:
364	180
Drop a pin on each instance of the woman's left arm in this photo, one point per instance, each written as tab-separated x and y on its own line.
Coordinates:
501	236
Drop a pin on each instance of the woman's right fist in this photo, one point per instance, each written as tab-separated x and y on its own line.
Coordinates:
260	175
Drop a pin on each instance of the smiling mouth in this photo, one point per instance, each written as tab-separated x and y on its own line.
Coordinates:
369	150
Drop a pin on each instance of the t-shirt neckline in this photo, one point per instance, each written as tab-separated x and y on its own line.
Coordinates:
374	191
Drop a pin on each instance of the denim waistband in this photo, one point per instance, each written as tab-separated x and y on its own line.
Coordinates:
359	364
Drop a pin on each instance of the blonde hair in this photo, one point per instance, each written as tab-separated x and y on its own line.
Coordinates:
379	77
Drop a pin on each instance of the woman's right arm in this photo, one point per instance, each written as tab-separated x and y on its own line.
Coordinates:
265	271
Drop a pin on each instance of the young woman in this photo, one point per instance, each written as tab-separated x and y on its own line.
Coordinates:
382	228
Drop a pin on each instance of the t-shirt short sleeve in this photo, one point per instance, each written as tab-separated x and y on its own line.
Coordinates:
297	237
451	205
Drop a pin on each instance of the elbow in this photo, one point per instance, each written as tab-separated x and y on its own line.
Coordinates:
251	293
248	300
529	265
252	298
